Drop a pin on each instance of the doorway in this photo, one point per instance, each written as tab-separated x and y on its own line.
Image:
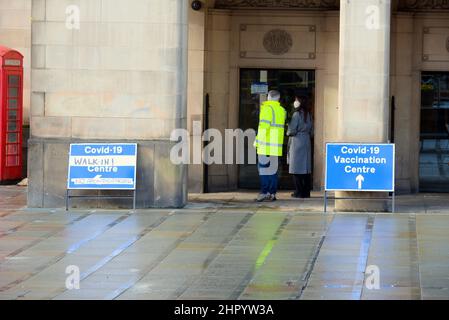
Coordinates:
289	83
434	138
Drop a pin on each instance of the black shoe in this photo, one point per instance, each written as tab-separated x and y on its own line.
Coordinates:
296	196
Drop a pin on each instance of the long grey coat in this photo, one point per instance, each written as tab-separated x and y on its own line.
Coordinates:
300	145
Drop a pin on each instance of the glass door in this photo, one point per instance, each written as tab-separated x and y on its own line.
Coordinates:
289	83
434	153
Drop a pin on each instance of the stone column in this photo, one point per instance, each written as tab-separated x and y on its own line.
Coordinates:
364	82
108	71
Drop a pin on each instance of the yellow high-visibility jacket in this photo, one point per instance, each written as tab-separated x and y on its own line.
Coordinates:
270	136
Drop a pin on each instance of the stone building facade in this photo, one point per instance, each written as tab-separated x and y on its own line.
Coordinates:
136	70
367	83
15	32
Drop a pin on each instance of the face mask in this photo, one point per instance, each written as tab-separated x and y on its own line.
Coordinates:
297	104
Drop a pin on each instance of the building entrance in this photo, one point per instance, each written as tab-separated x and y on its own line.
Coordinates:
434	153
289	83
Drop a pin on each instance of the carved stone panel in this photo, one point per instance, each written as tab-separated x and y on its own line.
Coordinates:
277	41
436	44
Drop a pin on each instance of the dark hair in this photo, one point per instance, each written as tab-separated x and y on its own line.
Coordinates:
304	106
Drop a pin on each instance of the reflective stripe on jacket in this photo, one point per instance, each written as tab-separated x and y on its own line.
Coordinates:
270	136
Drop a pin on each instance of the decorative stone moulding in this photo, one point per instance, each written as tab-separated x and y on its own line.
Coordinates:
278	4
423	5
261	41
278	42
404	5
435	44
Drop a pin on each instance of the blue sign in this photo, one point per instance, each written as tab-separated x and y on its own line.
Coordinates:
259	88
102	167
360	167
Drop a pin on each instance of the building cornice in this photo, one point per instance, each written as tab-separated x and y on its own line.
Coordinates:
400	5
278	4
423	5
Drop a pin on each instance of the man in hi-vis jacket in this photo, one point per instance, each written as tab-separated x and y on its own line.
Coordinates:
269	144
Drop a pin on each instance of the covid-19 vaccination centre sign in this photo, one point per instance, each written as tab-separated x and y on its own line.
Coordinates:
360	167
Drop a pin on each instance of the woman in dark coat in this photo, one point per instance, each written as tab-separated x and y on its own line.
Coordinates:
300	130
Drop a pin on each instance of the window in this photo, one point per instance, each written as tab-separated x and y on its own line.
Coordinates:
13	92
12	103
434	155
12	115
13	81
12	126
12	138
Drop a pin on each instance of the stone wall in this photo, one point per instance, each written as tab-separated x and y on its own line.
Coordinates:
233	43
419	43
414	47
218	69
120	77
15	33
195	85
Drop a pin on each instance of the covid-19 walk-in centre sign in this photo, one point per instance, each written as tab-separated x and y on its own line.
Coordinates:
360	167
102	166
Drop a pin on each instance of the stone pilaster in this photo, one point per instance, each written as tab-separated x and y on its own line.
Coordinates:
364	81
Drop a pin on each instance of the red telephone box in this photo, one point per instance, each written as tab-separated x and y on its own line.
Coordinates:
11	114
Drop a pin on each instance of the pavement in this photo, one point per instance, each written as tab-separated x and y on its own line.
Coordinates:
225	246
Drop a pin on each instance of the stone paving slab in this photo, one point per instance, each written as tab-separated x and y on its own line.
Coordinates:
225	246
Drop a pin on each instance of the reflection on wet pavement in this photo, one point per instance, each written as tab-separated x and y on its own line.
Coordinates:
224	250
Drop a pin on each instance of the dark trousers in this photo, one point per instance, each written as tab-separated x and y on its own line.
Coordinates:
303	185
268	182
